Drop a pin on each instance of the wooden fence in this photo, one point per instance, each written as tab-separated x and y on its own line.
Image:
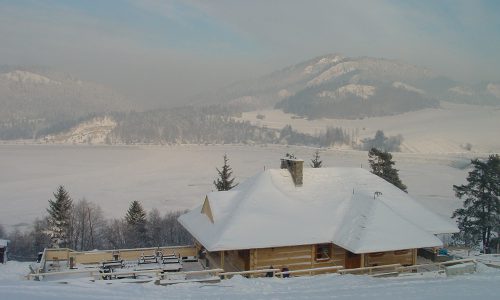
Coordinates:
434	266
160	277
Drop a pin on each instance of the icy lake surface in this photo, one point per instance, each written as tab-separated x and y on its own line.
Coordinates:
178	177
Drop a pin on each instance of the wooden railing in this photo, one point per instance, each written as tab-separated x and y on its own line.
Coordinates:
158	274
175	277
250	273
487	260
91	272
162	277
310	271
371	270
432	266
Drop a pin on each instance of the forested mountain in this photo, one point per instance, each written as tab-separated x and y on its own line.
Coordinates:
35	102
352	87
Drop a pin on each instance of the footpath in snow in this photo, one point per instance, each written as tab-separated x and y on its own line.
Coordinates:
485	284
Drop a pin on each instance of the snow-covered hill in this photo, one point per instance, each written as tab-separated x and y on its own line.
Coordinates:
26	77
452	128
94	131
35	94
394	87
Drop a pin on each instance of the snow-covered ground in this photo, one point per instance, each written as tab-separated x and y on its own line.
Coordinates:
178	177
482	285
445	130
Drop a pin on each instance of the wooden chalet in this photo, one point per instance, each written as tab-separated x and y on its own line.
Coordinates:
298	218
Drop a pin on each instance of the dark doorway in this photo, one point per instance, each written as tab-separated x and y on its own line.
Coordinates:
352	260
2	256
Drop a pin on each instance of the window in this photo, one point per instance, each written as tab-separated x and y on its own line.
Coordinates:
401	252
376	254
323	252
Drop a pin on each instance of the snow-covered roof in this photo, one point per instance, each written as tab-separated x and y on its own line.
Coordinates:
334	205
3	243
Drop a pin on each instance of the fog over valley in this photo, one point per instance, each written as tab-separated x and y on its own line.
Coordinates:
190	146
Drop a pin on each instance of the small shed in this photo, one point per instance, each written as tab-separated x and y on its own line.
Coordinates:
3	250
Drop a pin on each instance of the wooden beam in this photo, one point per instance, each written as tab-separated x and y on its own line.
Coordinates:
222	259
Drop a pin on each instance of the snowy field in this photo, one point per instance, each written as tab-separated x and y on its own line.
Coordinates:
443	130
482	285
178	177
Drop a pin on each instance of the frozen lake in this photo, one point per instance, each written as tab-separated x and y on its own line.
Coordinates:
178	177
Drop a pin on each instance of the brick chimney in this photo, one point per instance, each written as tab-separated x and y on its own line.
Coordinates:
295	167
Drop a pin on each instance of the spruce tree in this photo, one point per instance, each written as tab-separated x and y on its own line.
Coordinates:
479	219
3	234
225	182
316	162
59	226
382	165
136	222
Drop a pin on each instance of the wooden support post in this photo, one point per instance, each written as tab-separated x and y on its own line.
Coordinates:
414	258
313	257
222	259
362	263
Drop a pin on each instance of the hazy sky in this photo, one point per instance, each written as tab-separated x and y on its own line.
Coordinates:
169	50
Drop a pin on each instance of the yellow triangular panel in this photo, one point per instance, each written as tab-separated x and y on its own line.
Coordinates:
207	210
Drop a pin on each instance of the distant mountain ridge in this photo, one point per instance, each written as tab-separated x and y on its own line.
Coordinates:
337	86
36	99
38	94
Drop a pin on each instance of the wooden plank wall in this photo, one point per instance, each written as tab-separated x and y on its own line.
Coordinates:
234	262
403	257
57	254
95	257
338	259
294	258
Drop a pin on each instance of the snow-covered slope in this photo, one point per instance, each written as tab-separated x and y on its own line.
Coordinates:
397	87
94	131
452	128
28	77
33	94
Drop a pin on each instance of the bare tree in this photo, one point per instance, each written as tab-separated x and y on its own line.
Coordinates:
88	225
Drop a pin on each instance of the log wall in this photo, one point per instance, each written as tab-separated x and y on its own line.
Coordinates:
294	258
306	257
403	257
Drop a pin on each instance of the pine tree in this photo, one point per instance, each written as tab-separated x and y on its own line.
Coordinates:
224	182
316	162
136	222
59	220
382	165
479	219
135	214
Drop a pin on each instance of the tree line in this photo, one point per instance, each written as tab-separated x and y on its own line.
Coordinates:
215	124
82	226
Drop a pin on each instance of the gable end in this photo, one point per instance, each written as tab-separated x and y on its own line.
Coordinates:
206	210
